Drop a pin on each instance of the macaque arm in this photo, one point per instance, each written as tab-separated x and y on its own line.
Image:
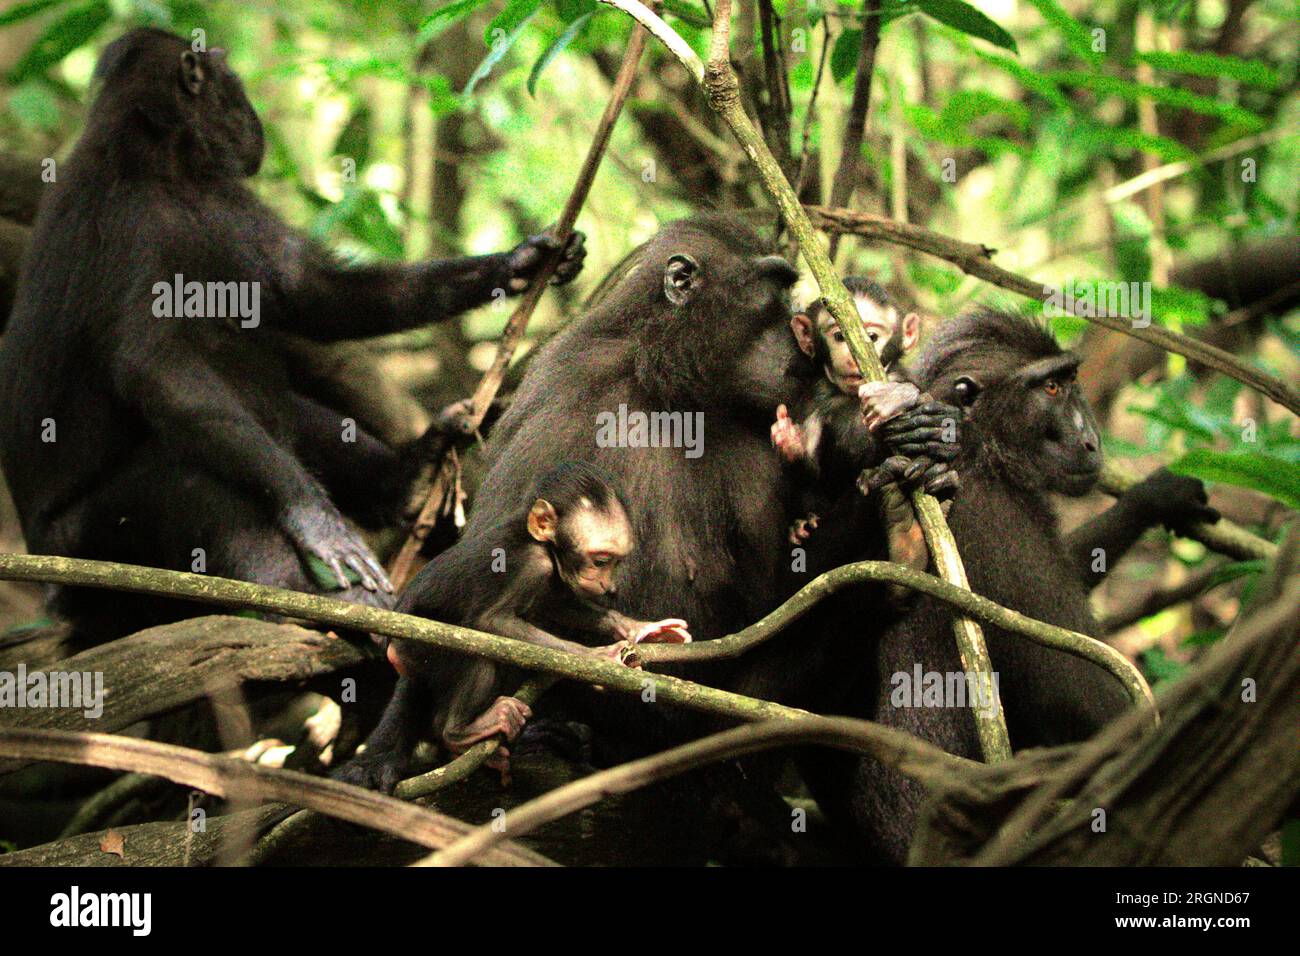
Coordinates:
511	625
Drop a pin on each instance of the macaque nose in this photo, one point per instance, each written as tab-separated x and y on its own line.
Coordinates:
611	589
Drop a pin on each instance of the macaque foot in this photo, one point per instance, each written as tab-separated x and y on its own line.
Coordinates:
380	770
801	529
506	715
788	437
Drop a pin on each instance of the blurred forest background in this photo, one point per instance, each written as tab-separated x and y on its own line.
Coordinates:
1154	141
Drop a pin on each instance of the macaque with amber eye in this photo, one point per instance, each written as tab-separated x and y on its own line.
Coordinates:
832	438
546	571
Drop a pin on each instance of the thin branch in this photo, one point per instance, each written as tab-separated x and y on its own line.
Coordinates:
806	135
446	483
1153	602
227	776
909	755
975	259
855	126
723	93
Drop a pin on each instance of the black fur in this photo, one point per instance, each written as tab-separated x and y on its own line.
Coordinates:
189	432
1019	444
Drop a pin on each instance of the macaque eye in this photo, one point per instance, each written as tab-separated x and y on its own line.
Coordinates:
838	335
967	391
874	336
1051	387
602	560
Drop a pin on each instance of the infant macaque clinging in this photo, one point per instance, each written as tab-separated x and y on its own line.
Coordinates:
544	571
832	439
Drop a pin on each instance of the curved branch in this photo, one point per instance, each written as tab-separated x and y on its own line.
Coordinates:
1048	635
974	259
918	759
226	776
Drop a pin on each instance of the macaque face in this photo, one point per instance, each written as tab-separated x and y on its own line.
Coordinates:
878	324
588	543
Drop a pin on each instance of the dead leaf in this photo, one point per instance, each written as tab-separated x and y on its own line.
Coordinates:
114	843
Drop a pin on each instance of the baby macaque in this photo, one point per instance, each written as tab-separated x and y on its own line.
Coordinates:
543	571
833	439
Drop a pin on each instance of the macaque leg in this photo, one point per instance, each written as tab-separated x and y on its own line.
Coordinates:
506	716
387	754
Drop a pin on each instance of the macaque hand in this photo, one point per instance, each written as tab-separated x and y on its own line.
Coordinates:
528	257
801	529
934	477
787	436
882	401
671	630
319	531
622	652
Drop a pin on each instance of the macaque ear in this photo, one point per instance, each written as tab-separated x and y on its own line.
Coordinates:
542	520
681	278
804	333
191	72
911	328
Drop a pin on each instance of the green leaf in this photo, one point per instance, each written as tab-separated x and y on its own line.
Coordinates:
515	14
325	578
1203	638
844	55
35	106
690	13
1160	666
72	30
1234	570
1166	95
354	139
1250	72
444	17
1077	37
570	10
962	16
25	10
1259	470
499	49
554	50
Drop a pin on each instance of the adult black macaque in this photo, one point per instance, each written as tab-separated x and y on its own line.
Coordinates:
548	570
1027	432
145	411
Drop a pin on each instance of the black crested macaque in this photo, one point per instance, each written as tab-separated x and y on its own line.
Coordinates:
1027	432
829	438
146	414
543	570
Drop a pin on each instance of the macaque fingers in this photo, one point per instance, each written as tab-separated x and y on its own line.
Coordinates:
668	631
